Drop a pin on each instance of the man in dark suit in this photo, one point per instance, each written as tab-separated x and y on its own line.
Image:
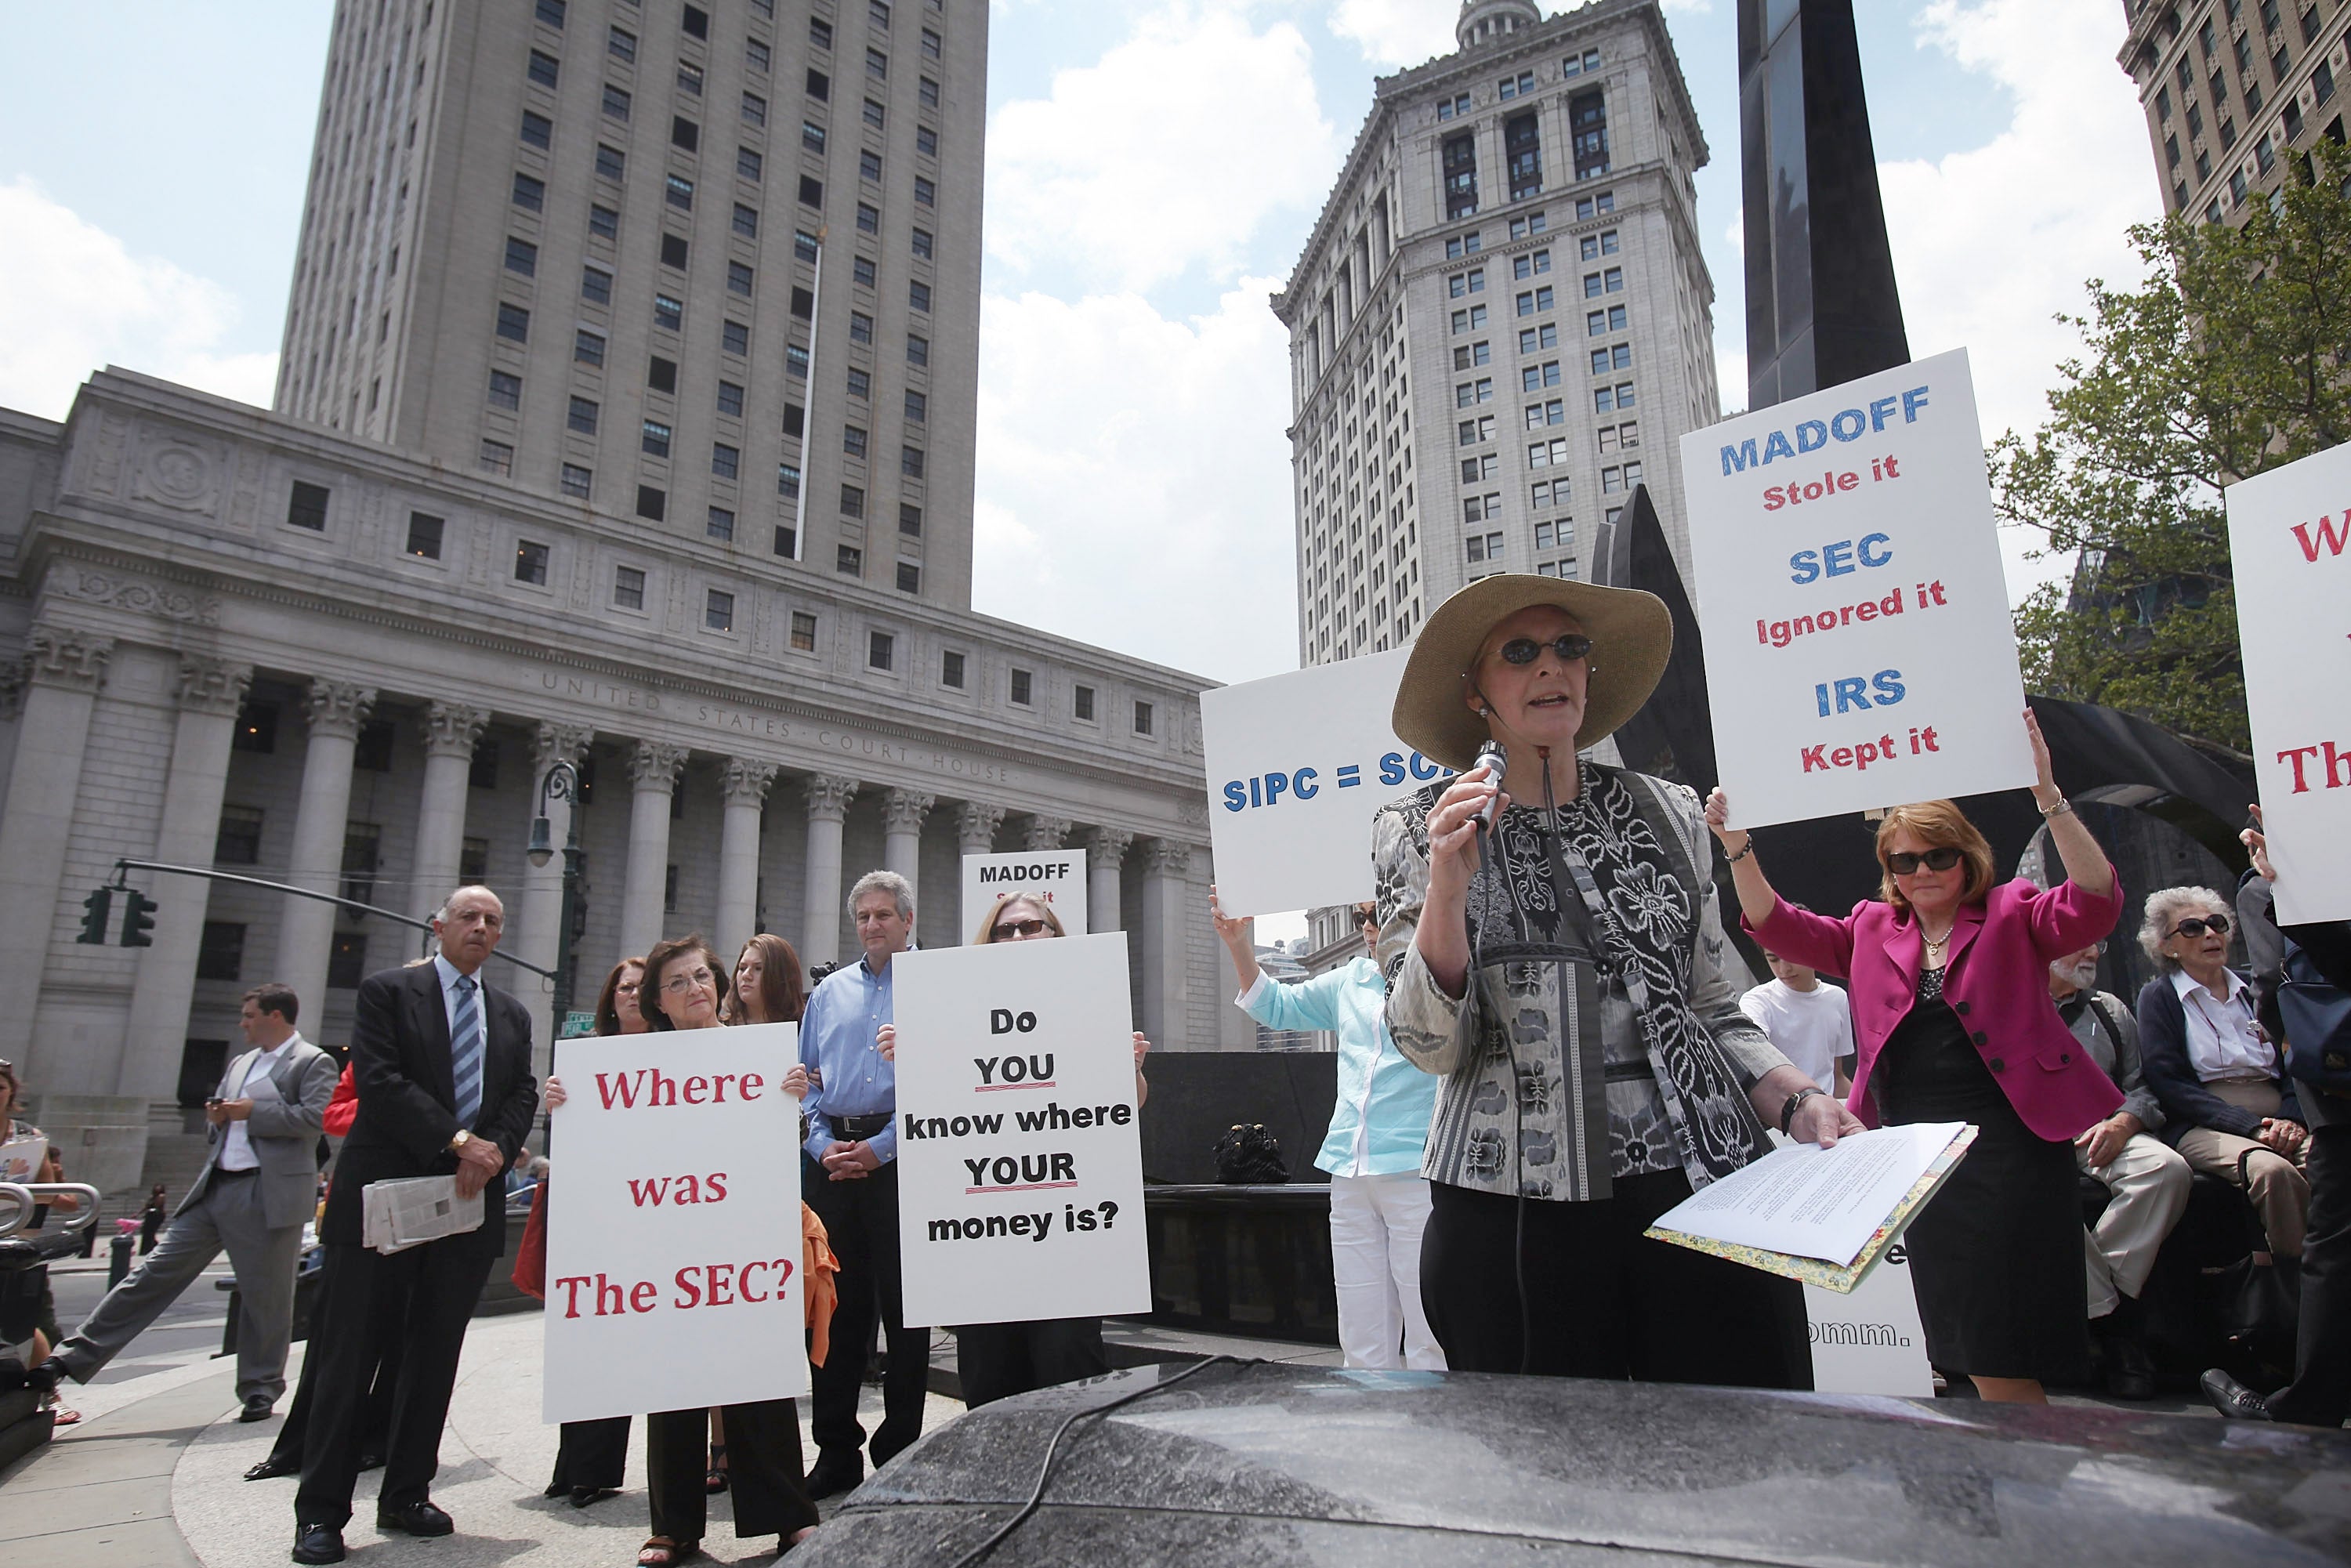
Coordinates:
443	1067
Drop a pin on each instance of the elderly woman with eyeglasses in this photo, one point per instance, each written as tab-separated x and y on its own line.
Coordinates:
1953	1022
2229	1106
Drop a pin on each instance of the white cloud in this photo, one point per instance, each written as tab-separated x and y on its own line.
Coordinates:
73	299
1134	478
1165	154
1398	32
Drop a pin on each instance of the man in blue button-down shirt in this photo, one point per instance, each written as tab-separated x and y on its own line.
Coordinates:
849	1174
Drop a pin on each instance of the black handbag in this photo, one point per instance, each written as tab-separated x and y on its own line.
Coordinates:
1247	1155
2260	1305
2317	1018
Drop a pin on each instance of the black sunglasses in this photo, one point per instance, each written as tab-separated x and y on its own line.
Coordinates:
2196	926
1007	930
1568	645
1942	857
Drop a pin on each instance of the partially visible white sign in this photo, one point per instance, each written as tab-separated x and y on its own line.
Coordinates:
1871	1341
1859	651
674	1250
1019	1156
1298	766
2290	545
1057	876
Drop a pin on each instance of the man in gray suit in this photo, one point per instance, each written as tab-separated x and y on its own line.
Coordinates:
259	1183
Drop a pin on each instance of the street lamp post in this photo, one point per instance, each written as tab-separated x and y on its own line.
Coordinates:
561	783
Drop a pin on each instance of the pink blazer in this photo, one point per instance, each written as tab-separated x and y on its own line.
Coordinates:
1997	980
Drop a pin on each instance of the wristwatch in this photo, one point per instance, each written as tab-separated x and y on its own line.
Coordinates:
458	1144
1788	1112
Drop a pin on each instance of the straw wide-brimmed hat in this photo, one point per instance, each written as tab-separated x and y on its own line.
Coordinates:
1632	637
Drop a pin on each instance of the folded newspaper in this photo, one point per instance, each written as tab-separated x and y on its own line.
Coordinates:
412	1210
1820	1216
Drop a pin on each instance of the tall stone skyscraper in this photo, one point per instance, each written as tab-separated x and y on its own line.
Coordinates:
712	269
1501	323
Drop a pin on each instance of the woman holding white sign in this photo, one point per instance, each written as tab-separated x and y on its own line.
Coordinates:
1565	973
1953	1022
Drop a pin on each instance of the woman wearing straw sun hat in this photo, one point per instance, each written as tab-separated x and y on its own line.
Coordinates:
1566	976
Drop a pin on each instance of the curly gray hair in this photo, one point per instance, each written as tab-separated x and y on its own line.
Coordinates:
2163	908
900	890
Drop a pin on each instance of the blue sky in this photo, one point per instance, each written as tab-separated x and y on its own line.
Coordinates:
1154	166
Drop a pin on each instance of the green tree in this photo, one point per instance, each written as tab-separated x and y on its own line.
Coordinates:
2227	359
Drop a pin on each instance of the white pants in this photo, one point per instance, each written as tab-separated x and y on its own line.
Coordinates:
2149	1182
1375	1227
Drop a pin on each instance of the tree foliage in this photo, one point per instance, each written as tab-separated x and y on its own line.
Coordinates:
2226	359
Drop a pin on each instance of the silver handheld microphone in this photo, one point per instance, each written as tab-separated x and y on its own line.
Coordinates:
1492	758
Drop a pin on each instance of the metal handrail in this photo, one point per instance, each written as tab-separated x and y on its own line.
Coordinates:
27	1196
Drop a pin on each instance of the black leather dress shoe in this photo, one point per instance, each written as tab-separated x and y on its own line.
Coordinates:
370	1461
318	1544
257	1409
2232	1398
415	1519
270	1468
45	1379
835	1475
588	1497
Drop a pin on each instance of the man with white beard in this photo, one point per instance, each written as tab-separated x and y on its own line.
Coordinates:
2147	1179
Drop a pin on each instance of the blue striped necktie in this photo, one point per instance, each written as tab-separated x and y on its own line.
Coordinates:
465	1052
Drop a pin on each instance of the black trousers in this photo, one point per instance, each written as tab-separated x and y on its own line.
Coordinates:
440	1283
763	1471
1605	1302
375	1424
861	1223
996	1360
591	1454
2320	1394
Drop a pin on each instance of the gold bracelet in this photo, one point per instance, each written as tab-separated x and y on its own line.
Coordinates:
2059	810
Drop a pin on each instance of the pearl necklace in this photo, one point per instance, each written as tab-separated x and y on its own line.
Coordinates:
1937	944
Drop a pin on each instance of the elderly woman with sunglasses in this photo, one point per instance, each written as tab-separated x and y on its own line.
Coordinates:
1953	1022
2230	1109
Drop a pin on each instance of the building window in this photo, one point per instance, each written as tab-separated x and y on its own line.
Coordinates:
542	69
346	961
1464	283
860	327
685	135
239	841
756	55
1460	167
576	481
926	142
1082	703
718	611
514	323
474	861
910	519
922	244
869	221
497	457
880	649
621	45
927	92
537	131
629	587
595	286
424	532
678	192
530	563
918	349
749	165
875	115
588	347
755	108
859	384
723	460
1484	547
719	526
918	297
1522	156
853	439
529	194
910	461
611	163
803	632
730	400
951	670
306	506
603	222
796	361
1143	718
787	480
669	314
583	417
812	192
926	195
861	271
220	952
910	578
852	501
653	441
695	22
674	251
1453	108
747	221
735	337
1020	686
917	408
551	13
653	504
877	65
505	389
616	102
1588	124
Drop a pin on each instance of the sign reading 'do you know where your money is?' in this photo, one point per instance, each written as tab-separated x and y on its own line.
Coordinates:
1298	766
674	1258
1859	647
2290	540
1019	1156
1057	876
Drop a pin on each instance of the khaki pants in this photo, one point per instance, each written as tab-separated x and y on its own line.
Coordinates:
2149	1183
2275	1183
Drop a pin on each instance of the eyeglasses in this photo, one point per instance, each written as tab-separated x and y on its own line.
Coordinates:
1568	645
1006	930
2196	926
627	988
1942	857
681	985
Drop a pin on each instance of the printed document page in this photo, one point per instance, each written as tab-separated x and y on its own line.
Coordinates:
1813	1202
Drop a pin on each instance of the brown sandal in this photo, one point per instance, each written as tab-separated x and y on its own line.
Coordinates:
661	1551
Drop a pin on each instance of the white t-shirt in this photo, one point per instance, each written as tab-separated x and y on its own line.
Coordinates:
1812	1029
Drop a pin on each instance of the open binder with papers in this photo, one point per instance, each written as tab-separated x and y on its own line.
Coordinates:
412	1210
1820	1216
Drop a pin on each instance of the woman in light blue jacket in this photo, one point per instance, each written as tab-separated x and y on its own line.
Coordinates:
1379	1200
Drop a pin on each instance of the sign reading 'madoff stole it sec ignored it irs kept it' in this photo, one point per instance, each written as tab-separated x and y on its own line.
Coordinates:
1859	651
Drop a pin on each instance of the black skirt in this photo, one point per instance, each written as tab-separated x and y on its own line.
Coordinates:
1996	1256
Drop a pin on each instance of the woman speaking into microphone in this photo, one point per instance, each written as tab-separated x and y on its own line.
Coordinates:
1565	975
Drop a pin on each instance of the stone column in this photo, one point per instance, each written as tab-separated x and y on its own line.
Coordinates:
1167	893
652	770
976	825
1105	848
334	712
211	692
450	731
63	671
902	812
12	709
827	802
1046	832
738	853
536	934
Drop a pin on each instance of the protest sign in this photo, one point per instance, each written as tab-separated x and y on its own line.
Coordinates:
1298	766
1859	647
674	1242
2288	531
1869	1340
1057	876
1019	1157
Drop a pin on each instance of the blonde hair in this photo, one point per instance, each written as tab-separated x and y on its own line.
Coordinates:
1941	824
2162	913
1004	900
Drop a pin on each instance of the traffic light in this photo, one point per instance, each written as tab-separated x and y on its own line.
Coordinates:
95	911
138	918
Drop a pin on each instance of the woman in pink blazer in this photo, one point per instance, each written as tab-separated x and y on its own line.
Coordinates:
1952	1023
